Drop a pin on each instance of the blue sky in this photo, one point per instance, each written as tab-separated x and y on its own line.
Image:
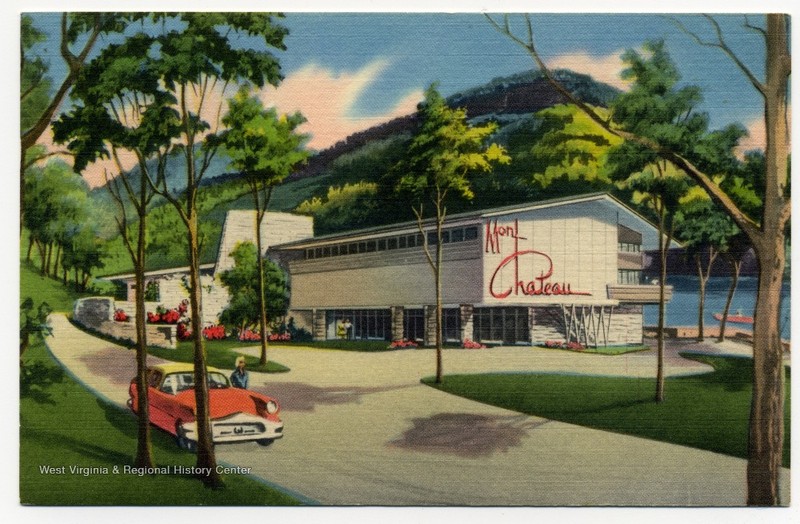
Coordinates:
347	72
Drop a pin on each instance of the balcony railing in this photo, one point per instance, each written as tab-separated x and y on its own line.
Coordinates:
637	294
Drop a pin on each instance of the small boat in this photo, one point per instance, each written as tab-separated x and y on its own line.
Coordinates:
738	318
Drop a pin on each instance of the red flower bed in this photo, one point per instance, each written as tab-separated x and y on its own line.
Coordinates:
164	316
249	335
469	344
184	333
120	316
214	332
275	337
575	346
402	344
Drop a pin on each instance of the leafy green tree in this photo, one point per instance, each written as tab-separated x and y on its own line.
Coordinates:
80	33
351	206
766	231
199	54
568	150
119	107
56	200
656	106
266	149
442	155
32	322
706	233
243	282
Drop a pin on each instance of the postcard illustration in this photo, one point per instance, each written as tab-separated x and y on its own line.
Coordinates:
404	259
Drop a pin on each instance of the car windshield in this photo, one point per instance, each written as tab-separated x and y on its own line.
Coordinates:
177	382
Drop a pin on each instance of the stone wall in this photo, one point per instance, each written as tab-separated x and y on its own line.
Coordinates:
97	313
397	322
624	324
319	328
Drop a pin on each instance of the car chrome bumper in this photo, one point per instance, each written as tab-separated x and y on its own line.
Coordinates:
240	427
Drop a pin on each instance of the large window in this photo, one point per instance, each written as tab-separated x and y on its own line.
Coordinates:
629	276
450	235
414	324
359	324
506	325
451	325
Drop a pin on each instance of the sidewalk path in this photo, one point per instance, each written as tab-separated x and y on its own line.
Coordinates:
362	430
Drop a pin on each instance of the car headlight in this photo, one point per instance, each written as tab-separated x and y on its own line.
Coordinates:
272	407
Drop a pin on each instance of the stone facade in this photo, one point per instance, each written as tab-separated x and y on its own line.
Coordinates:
97	313
318	324
466	313
430	326
397	322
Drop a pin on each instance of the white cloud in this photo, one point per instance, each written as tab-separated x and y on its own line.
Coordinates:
327	99
604	69
757	134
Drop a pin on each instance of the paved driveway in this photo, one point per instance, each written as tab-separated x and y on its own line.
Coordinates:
362	430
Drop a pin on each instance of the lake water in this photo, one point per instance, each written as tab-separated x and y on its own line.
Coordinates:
682	309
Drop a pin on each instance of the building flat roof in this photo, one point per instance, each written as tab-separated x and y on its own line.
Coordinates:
458	218
156	273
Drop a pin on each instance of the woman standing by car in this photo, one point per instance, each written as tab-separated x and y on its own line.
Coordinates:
240	377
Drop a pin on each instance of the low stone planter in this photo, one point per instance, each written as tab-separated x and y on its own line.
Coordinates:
97	313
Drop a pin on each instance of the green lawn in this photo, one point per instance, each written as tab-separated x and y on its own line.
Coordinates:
41	288
605	350
370	346
62	424
219	354
709	411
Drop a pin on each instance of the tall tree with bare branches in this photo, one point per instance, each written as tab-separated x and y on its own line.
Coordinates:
442	155
120	109
767	235
265	148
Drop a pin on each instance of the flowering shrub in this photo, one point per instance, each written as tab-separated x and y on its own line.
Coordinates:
575	346
249	335
184	333
165	316
216	332
120	316
273	337
469	344
402	344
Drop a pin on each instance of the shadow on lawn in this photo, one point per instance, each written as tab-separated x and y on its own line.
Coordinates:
35	380
466	434
299	396
78	445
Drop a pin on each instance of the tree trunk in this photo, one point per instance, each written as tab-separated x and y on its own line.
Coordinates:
701	304
144	447
766	410
438	282
663	247
262	292
704	277
42	255
736	265
49	250
206	458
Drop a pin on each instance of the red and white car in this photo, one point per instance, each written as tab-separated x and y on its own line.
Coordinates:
237	415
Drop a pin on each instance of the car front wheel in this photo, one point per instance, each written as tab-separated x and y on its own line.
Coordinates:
265	441
184	442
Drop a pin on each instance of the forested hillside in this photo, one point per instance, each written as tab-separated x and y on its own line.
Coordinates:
352	184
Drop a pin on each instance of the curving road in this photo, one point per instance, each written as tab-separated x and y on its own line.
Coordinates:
362	430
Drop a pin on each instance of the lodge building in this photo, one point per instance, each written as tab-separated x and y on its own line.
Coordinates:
567	269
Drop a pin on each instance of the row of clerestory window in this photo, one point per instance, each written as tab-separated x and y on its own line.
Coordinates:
450	235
